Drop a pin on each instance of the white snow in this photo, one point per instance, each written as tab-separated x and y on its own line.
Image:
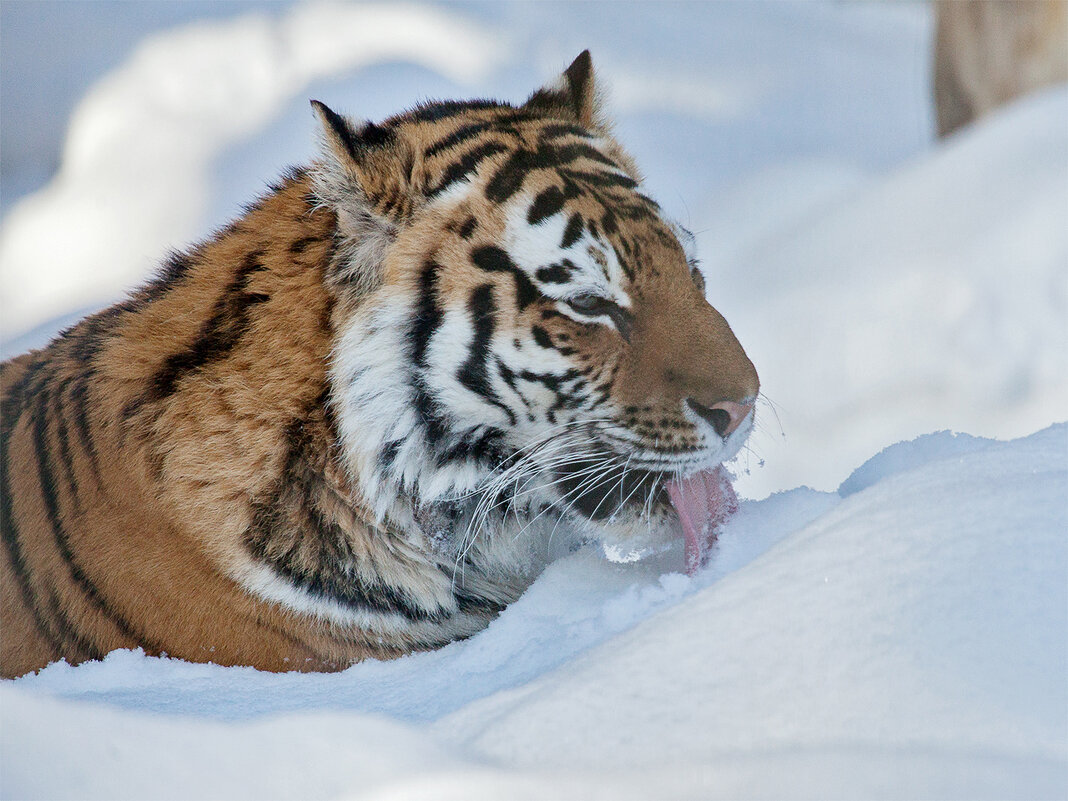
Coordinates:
904	638
904	635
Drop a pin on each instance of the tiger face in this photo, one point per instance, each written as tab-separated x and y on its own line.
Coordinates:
521	335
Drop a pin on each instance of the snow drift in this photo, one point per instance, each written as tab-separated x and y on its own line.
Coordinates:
903	638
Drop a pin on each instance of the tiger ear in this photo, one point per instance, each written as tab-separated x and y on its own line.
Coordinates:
350	145
348	179
573	95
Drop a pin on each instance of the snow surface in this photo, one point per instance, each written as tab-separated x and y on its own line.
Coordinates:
903	635
904	638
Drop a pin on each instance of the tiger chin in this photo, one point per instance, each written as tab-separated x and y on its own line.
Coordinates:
356	422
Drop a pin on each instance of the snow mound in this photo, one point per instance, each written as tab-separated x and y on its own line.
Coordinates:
932	298
908	639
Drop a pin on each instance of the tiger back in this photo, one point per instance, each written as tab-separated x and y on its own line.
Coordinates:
357	421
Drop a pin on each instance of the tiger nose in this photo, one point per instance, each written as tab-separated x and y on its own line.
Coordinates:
725	416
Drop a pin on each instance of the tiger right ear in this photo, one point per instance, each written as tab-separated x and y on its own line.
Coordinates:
349	145
348	180
573	95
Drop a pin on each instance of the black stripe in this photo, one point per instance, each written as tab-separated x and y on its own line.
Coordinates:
572	232
546	204
467	164
80	406
541	336
468	228
298	541
557	129
217	336
471	604
603	179
424	323
460	135
388	455
556	273
65	459
427	317
8	527
508	376
300	245
608	222
565	154
47	485
510	176
492	259
473	373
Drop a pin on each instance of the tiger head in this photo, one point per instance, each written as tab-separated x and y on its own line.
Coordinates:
518	330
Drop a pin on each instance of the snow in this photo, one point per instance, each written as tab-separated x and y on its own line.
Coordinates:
897	629
903	637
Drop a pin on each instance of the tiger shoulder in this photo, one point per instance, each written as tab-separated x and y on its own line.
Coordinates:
357	422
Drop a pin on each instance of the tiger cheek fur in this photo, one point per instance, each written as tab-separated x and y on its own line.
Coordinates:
356	421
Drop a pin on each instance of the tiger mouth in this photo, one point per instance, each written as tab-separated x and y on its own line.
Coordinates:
599	492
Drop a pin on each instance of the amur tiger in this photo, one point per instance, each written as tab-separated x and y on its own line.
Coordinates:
352	422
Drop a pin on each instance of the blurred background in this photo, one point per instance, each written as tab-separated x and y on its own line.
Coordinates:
879	190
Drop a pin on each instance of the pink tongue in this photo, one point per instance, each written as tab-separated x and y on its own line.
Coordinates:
703	502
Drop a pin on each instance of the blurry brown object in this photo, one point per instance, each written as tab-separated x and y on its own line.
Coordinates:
990	51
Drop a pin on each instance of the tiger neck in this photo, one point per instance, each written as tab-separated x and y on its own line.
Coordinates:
222	371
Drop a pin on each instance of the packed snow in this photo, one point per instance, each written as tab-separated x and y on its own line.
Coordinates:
903	637
897	629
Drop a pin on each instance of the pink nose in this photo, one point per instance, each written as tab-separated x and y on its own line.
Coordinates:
725	416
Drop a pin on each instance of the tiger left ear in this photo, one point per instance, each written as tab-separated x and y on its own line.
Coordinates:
573	95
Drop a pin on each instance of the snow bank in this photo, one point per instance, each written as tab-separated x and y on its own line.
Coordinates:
932	298
904	638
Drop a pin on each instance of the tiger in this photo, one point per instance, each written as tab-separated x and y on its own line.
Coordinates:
358	421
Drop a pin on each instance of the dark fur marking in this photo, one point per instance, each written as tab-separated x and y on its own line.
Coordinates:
427	315
50	498
468	228
460	135
300	245
66	461
573	231
291	534
218	336
467	164
389	454
510	176
434	111
473	373
574	151
491	258
424	323
556	273
546	204
8	527
541	336
556	130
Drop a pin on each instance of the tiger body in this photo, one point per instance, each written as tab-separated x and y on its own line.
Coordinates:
356	422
